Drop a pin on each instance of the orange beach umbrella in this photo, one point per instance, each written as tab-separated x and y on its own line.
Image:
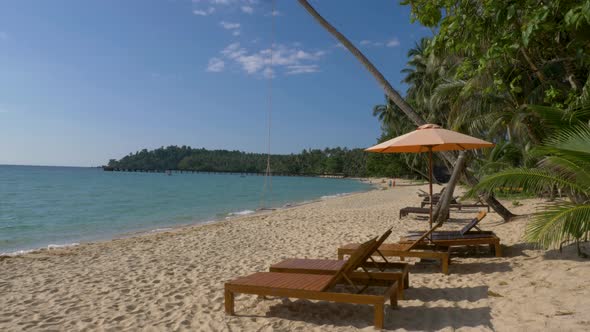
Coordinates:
430	138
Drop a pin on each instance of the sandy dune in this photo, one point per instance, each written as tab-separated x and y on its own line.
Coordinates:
174	280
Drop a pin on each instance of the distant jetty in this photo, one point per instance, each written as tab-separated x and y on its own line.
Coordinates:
188	171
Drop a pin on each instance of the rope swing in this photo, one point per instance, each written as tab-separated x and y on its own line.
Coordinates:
268	173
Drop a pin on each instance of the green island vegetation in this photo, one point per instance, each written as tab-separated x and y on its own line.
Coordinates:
338	161
512	72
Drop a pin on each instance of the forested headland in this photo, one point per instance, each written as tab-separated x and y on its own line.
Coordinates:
341	161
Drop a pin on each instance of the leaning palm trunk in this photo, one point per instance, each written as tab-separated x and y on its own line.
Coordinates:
442	208
399	101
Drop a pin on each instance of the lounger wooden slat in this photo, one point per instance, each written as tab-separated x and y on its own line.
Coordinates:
466	240
473	224
386	272
464	237
460	206
435	200
401	251
316	286
417	210
448	235
331	266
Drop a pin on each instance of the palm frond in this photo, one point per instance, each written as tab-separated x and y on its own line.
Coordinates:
532	180
575	139
559	223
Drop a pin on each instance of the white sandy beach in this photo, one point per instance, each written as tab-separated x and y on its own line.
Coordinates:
174	280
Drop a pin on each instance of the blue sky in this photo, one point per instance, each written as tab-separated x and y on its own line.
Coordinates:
85	81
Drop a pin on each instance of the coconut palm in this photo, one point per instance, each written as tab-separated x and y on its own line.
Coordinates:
391	93
566	165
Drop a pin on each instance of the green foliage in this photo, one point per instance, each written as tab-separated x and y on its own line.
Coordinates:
310	162
566	165
517	73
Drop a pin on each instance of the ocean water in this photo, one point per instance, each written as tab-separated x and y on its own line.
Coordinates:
55	206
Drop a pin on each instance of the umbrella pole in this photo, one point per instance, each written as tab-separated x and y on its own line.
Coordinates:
430	181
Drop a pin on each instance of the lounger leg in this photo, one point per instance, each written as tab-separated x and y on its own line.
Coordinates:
340	256
445	265
379	316
393	298
498	250
400	291
407	281
229	302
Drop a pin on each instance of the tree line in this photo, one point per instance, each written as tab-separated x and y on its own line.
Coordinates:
342	161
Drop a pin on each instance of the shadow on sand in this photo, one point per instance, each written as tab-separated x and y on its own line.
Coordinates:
411	318
471	294
569	252
462	268
424	318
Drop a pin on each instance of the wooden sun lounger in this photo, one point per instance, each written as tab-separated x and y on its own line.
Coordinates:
466	229
412	209
460	206
463	237
314	287
473	239
435	200
403	250
422	193
386	271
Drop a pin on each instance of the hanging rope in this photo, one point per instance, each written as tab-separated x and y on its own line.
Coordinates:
268	172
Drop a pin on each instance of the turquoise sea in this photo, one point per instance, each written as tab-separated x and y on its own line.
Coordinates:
44	207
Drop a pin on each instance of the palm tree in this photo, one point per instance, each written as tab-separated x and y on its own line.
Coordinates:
566	165
398	100
392	119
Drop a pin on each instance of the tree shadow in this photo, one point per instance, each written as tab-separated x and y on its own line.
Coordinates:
516	250
426	294
461	268
422	318
569	252
412	318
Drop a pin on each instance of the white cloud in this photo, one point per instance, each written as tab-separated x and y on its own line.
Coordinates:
206	12
268	72
339	45
247	9
302	69
3	35
291	60
370	43
233	27
392	42
215	65
229	25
